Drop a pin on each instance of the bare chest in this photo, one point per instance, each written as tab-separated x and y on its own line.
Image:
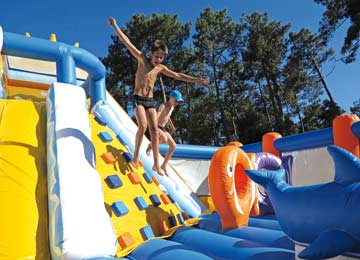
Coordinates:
146	74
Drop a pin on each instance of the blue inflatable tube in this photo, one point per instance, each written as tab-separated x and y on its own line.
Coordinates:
267	222
272	238
160	249
268	237
67	57
252	148
107	258
264	223
202	152
185	151
227	247
309	140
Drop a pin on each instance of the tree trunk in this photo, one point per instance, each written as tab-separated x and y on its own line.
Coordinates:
278	98
215	134
274	93
265	106
235	113
299	114
301	122
188	99
235	129
220	104
273	104
322	79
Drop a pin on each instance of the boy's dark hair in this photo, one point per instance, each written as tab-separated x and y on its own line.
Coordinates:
159	45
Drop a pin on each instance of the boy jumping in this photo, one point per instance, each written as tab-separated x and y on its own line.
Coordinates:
143	101
164	114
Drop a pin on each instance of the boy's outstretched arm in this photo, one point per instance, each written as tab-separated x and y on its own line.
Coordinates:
133	50
184	77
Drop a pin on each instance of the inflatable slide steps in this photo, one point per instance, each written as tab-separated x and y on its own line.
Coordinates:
23	183
138	208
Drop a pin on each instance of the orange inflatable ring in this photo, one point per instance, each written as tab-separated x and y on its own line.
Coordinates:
234	195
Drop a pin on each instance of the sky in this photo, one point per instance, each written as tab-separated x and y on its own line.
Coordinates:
84	21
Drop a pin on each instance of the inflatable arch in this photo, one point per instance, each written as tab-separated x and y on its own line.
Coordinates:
234	195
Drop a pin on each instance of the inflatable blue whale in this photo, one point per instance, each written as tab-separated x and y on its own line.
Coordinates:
326	216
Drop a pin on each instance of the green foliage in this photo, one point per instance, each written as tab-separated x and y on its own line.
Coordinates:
336	13
355	109
216	41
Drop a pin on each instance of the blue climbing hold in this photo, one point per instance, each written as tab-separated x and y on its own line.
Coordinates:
147	177
172	221
113	181
141	203
127	156
119	208
180	218
105	137
147	232
155	200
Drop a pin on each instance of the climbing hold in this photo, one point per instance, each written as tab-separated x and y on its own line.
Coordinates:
180	218
126	240
165	199
155	180
127	156
113	181
99	120
163	226
172	221
141	203
105	137
155	200
147	232
134	178
185	216
119	208
109	158
147	177
170	198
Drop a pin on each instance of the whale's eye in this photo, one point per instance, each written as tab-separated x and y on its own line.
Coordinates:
229	170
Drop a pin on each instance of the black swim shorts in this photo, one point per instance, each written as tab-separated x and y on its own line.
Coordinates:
146	102
162	128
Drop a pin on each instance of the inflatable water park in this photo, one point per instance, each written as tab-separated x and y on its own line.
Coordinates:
68	190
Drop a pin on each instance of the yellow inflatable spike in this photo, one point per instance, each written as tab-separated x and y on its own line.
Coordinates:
27	34
76	44
53	37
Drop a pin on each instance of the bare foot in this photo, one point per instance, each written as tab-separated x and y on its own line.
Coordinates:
148	149
164	168
134	164
158	170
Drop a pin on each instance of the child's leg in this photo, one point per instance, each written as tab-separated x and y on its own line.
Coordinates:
162	140
148	149
151	116
142	124
169	153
